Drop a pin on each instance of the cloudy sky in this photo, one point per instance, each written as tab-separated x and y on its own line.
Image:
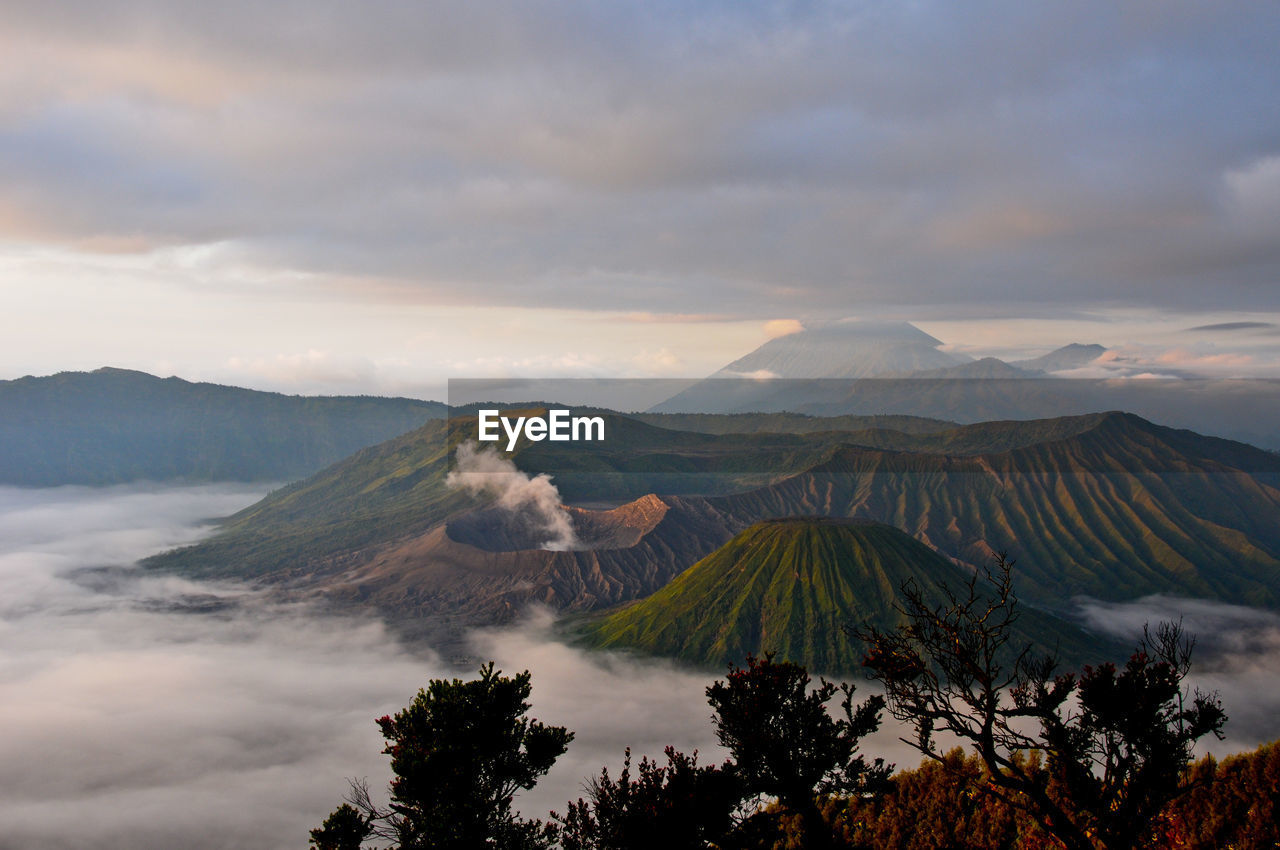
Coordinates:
376	196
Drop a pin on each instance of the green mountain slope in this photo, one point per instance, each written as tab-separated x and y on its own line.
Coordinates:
1121	509
378	495
397	489
114	425
788	586
1106	505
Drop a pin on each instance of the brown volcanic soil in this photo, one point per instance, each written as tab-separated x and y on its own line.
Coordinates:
480	568
496	530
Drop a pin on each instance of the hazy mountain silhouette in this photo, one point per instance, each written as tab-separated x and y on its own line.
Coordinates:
116	425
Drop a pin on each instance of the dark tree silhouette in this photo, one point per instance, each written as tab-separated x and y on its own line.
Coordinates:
1115	742
460	752
786	745
680	806
345	829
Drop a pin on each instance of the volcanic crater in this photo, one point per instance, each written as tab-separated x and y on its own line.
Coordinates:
496	529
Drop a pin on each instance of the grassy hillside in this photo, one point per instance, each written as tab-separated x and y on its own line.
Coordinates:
378	495
788	586
1121	509
1107	505
114	425
397	489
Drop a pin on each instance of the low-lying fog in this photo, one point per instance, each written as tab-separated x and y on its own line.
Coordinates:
145	711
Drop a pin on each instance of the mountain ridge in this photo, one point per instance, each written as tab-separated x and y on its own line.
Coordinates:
820	377
1111	511
113	425
1107	505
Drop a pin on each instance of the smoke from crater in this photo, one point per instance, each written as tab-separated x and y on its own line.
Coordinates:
533	499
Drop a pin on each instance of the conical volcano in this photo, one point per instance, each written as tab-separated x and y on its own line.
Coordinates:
790	586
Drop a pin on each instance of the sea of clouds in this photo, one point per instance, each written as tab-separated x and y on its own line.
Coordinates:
149	711
146	711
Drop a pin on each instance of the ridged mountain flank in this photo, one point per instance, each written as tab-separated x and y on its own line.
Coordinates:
1107	505
1119	509
789	586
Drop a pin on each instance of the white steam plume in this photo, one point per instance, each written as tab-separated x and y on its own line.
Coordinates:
485	472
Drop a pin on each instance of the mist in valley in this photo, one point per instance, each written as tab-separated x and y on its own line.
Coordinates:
1236	654
144	710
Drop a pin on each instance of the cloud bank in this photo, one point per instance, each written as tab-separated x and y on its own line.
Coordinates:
1237	655
660	157
167	713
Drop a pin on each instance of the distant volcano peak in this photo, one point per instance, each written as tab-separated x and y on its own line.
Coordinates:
901	332
846	348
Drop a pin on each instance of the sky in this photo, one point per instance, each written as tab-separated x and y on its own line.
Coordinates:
374	197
